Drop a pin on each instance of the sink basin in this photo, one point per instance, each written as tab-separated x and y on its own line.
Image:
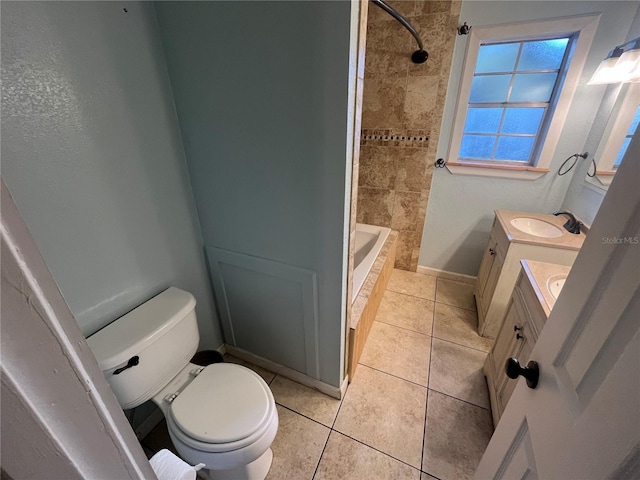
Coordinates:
535	227
555	284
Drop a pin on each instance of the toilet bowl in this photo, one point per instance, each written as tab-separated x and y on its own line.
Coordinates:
222	415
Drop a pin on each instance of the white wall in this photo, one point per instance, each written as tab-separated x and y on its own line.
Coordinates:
460	209
261	90
91	152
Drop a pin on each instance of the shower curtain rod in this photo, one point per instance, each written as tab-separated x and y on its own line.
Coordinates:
419	56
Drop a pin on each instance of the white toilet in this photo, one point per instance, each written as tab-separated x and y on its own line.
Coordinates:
222	415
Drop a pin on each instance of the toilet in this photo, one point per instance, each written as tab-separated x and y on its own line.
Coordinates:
222	415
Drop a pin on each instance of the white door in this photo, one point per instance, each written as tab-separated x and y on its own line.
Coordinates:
582	421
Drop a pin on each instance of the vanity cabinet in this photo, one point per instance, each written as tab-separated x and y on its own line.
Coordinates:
523	320
490	268
501	263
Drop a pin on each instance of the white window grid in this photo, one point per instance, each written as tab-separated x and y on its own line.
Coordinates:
539	134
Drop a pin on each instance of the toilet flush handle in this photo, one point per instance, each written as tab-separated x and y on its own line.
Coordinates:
133	361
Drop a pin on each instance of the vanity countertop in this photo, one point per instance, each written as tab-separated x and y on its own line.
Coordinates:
538	273
569	241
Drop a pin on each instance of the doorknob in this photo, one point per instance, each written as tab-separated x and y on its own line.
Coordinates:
531	372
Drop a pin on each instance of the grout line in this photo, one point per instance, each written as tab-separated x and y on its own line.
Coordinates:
395	376
303	415
460	344
459	399
457	306
426	403
409	295
430	474
403	328
321	455
374	448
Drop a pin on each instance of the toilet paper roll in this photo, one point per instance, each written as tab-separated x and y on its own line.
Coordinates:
168	466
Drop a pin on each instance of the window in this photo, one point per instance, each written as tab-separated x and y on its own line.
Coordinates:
515	91
510	100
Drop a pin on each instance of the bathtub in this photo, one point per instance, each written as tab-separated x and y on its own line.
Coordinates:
369	242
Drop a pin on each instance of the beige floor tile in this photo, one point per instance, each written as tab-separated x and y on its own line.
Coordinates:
297	447
411	283
344	458
426	476
406	311
386	413
264	373
304	400
459	325
456	435
455	293
457	371
398	351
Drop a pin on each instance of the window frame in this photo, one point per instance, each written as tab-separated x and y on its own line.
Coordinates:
548	106
582	28
614	134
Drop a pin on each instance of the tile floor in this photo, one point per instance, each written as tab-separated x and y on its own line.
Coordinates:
418	406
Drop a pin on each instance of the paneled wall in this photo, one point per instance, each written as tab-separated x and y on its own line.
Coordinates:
261	91
402	111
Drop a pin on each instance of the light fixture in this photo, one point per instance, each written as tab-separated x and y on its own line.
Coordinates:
622	65
629	63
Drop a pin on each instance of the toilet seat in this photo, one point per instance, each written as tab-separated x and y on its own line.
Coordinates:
226	407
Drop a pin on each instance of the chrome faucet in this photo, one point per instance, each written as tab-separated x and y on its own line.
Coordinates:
572	225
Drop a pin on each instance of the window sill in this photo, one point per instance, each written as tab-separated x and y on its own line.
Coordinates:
518	172
602	179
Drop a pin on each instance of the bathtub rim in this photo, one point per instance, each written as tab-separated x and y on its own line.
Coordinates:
361	271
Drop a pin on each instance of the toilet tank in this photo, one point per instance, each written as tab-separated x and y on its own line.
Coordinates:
162	333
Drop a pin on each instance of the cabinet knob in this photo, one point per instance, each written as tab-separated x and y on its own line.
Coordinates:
492	251
516	328
518	336
531	372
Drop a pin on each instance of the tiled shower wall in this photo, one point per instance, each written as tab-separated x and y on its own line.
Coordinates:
402	111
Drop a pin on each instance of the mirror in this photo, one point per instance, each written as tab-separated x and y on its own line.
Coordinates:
615	121
621	109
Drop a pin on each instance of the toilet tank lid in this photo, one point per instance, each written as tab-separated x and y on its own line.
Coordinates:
127	336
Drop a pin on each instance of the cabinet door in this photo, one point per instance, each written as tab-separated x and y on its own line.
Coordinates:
522	344
492	278
485	266
504	346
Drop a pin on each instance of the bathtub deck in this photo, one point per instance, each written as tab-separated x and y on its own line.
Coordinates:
368	300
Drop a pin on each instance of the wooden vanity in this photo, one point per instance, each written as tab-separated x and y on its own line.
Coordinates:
501	262
527	311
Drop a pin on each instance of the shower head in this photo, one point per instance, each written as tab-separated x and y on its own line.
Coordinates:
419	56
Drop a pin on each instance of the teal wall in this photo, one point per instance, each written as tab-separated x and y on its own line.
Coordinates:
261	91
91	152
460	209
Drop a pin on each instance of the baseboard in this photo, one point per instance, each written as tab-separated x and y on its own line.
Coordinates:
335	392
459	277
343	387
222	349
149	423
